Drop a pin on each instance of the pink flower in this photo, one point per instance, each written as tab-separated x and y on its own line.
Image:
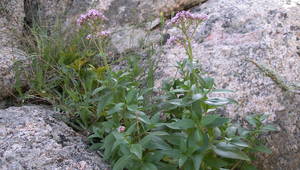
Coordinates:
94	14
81	19
183	16
121	129
103	34
91	15
88	37
199	17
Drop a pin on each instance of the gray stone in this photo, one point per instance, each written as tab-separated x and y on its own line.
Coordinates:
8	57
11	28
30	138
285	144
266	31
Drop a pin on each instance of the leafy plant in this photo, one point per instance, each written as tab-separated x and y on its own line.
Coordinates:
136	129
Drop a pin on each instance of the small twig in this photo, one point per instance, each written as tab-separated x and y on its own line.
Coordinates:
235	165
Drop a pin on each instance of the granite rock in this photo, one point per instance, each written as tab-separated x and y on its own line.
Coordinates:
11	29
31	138
266	31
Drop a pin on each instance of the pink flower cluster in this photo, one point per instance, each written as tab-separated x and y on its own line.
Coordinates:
91	15
121	129
103	34
184	16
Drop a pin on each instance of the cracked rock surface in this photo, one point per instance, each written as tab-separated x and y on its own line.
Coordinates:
30	138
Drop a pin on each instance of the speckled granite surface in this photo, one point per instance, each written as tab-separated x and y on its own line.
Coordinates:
267	31
30	138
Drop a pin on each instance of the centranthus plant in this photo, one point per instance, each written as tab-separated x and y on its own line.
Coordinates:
92	24
177	130
182	130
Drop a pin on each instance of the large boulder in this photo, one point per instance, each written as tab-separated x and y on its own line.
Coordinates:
11	28
30	138
266	32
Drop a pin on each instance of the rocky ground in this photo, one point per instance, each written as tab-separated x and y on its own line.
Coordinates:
32	139
264	31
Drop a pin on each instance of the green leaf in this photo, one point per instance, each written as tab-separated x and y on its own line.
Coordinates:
146	140
215	162
268	128
166	166
140	116
208	119
178	91
182	124
252	120
84	116
197	109
231	153
240	143
159	133
213	120
131	129
149	166
97	90
124	148
226	145
197	160
176	102
137	149
122	162
247	166
197	96
208	82
174	153
154	156
219	101
105	100
159	143
231	131
108	141
222	91
118	107
95	146
174	138
133	108
217	132
182	160
131	96
262	148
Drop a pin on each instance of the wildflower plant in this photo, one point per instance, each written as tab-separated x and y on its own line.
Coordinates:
179	129
184	21
92	23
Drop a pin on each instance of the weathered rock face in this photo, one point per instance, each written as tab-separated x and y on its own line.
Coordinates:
130	19
285	144
11	27
30	138
133	20
8	56
268	32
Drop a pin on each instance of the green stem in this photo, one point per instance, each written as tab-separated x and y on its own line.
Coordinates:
188	46
102	53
